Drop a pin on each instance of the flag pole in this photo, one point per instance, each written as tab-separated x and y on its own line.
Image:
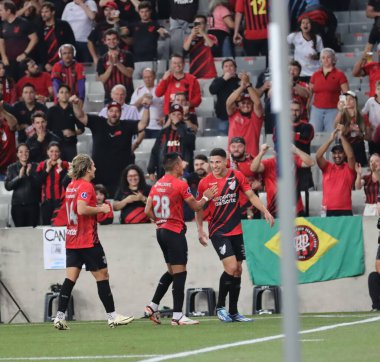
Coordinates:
278	57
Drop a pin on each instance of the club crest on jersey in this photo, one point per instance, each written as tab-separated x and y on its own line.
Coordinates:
222	249
83	195
232	185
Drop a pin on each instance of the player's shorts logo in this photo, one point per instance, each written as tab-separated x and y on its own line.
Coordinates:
222	249
83	195
306	242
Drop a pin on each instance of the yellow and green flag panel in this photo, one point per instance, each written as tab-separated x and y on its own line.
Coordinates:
325	248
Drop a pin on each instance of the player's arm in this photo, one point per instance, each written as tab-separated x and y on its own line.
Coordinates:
149	208
86	210
207	195
256	202
202	236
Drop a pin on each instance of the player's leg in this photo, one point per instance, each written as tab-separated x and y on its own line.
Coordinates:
72	274
374	284
239	251
96	262
74	262
177	256
151	310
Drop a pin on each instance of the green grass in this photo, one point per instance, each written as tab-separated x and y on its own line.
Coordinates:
349	343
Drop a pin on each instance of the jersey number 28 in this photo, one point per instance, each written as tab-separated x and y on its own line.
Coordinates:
161	208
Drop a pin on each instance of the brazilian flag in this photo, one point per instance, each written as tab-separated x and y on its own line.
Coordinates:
326	248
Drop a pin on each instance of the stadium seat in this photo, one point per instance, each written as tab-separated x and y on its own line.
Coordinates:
360	27
94	91
206	108
346	61
205	85
192	293
48	310
253	65
354	38
258	292
358	16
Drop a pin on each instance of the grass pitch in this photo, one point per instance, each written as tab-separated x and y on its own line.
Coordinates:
323	338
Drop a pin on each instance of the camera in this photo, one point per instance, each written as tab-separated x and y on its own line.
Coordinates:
197	23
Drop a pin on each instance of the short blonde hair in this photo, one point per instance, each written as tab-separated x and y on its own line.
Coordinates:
79	166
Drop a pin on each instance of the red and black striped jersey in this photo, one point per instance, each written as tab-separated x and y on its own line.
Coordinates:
224	208
371	189
256	18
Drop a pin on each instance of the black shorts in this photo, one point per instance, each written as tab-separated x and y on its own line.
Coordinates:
226	246
94	258
378	253
173	246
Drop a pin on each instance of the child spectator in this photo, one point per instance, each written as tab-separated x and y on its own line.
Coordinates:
101	195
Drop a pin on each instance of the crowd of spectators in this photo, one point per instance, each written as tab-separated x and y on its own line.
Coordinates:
46	47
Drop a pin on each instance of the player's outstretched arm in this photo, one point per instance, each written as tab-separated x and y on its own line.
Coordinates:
202	236
86	210
207	195
255	201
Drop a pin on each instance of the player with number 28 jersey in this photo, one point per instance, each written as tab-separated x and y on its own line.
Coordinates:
168	195
82	230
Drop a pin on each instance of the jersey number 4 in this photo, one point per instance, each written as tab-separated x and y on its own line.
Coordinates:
161	207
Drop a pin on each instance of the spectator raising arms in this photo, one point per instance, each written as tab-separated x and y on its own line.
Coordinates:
245	115
131	196
326	83
198	44
21	179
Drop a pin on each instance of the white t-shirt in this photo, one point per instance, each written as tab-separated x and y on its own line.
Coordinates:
78	19
156	109
128	112
372	108
303	49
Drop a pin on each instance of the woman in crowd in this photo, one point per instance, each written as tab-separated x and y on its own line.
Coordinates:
220	25
354	128
326	84
101	196
370	182
21	179
50	174
307	46
131	196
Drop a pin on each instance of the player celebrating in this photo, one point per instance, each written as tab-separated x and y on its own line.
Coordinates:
225	229
165	207
82	242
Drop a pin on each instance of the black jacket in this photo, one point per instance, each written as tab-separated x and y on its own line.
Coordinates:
38	149
181	140
222	89
26	190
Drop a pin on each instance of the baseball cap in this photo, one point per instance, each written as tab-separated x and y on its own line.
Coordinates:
114	104
111	4
350	93
337	147
244	96
237	140
175	108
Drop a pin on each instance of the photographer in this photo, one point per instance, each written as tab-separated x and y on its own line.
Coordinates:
198	44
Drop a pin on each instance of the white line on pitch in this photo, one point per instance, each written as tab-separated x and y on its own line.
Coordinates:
66	358
255	341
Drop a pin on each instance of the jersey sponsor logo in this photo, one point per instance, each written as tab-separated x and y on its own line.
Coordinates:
104	260
222	249
83	195
116	134
173	143
71	232
225	199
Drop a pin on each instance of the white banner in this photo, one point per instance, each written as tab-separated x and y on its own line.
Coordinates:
54	239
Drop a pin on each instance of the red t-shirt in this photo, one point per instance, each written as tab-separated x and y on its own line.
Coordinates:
82	230
337	186
256	18
270	181
224	207
373	71
105	218
41	84
327	88
247	127
168	195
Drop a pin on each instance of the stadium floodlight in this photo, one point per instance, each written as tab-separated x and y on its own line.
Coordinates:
278	55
